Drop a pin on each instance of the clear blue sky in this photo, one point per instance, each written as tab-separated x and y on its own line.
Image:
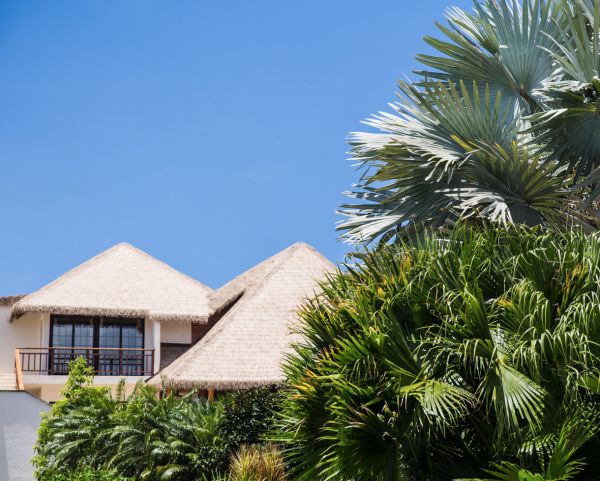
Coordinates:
210	134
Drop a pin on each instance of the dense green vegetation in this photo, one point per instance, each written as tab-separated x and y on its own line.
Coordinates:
501	122
470	356
469	349
87	474
146	437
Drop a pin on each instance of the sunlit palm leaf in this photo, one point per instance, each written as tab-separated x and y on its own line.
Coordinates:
512	72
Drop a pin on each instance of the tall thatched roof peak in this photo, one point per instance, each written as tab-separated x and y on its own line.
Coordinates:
122	281
247	345
255	276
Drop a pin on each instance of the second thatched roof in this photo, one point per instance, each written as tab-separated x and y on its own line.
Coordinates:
247	345
125	282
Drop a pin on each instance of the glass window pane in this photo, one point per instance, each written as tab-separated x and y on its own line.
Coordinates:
132	336
111	344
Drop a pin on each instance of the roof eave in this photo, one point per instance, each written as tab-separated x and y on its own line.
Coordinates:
183	317
218	385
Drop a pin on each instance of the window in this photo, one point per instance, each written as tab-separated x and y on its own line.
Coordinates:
112	344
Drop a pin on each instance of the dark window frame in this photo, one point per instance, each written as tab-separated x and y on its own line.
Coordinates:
95	322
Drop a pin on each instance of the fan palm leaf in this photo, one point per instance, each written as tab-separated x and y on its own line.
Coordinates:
468	356
502	124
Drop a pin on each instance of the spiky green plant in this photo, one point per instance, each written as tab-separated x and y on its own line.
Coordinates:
257	463
502	123
470	356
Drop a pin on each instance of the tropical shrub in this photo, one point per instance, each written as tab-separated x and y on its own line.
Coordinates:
168	439
501	122
88	474
262	462
248	416
469	356
143	436
257	463
67	431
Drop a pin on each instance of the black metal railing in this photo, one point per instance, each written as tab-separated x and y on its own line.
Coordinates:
105	361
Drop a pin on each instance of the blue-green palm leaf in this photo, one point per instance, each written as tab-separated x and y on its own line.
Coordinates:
503	124
421	156
500	46
569	128
472	355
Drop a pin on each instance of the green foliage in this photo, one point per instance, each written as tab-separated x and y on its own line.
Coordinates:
248	416
257	463
79	394
146	437
469	356
501	123
87	474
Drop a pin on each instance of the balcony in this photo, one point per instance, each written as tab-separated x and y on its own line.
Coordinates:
105	361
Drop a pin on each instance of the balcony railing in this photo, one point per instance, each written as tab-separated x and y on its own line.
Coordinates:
105	361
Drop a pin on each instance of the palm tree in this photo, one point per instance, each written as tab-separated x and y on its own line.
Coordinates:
503	123
473	356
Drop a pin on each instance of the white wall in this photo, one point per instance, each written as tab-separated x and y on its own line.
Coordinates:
26	331
176	333
19	421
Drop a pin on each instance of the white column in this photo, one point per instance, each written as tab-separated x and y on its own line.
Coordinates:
156	345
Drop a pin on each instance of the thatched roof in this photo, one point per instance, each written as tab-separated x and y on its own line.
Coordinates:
122	281
247	345
10	300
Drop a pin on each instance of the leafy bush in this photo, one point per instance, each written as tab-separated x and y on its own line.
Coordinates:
88	474
248	415
144	436
469	356
72	422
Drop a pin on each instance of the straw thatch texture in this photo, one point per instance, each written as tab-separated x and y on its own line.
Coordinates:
247	345
10	300
122	281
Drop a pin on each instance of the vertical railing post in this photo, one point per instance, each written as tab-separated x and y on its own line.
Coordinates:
18	370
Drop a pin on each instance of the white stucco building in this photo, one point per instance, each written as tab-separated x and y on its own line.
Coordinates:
123	310
134	317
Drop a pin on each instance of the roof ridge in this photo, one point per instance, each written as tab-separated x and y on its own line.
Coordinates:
313	249
289	251
71	272
276	260
163	264
228	318
263	314
86	265
278	255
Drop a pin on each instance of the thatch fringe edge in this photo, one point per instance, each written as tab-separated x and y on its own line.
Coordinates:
162	382
11	300
184	318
